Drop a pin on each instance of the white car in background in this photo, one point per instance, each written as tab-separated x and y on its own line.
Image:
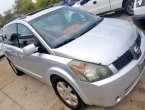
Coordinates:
1	52
139	13
103	6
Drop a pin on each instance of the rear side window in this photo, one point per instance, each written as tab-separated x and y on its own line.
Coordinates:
10	35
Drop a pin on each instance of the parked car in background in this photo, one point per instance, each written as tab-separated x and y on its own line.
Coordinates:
68	2
1	51
139	13
85	58
102	6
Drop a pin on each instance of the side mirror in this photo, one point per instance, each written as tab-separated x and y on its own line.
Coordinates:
29	50
84	1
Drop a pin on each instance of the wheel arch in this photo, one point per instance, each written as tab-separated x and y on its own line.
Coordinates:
69	78
123	3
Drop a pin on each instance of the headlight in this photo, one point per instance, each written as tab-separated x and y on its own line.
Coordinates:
89	72
140	3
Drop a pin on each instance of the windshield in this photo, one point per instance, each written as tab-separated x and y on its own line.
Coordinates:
64	25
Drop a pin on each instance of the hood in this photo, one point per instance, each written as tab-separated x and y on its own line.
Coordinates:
103	44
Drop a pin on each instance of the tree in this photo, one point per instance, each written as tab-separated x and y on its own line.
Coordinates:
45	3
8	15
24	6
41	3
54	1
2	22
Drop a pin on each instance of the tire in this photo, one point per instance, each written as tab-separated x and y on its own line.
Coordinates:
129	5
78	104
17	72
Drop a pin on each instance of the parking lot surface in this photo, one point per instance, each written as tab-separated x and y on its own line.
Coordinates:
27	93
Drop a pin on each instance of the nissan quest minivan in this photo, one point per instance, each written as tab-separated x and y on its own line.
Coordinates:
88	60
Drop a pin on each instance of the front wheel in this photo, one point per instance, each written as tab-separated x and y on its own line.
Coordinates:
129	7
67	94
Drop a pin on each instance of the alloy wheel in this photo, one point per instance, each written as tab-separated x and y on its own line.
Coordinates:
130	8
67	93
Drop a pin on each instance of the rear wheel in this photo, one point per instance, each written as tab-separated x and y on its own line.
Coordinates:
67	94
129	6
18	72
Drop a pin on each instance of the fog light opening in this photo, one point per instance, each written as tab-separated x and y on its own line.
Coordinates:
118	99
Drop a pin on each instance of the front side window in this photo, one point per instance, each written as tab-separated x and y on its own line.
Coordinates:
10	35
63	25
25	36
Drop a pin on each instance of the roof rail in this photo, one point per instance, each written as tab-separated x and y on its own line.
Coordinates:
15	17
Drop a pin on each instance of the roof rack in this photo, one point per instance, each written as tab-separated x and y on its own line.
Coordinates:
15	17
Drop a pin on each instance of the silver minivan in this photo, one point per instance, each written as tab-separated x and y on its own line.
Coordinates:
85	58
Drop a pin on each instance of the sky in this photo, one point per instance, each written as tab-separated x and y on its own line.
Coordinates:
6	4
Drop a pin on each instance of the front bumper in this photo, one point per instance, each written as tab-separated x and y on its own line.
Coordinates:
112	90
139	20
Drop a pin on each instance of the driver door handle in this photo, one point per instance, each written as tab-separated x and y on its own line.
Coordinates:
94	2
15	54
18	55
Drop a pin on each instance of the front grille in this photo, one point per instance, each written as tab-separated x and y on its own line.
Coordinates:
122	61
127	57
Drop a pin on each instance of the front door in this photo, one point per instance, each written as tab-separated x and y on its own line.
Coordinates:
34	64
104	5
90	6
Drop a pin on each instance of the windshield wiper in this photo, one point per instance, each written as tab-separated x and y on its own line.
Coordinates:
65	42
